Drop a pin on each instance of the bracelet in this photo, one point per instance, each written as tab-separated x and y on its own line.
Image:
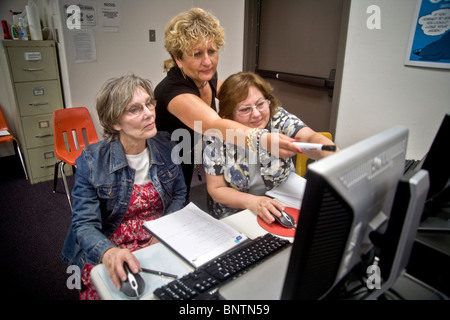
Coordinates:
254	138
251	140
258	138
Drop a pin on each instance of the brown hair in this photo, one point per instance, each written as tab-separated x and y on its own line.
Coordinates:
235	89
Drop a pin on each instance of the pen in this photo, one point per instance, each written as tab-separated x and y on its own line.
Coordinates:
160	273
315	146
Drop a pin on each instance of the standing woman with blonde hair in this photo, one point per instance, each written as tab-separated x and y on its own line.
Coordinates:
188	93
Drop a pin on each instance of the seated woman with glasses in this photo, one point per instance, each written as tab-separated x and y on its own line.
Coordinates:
238	178
121	182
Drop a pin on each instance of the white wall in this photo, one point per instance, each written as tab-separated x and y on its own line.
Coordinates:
378	90
130	50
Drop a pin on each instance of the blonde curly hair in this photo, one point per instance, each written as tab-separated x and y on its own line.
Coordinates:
187	29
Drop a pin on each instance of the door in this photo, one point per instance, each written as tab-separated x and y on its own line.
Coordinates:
297	45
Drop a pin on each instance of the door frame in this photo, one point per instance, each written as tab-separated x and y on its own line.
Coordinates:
251	50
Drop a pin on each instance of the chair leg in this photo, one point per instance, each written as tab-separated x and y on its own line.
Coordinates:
55	176
21	158
65	183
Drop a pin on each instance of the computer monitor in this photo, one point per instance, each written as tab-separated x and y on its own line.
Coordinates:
348	197
437	164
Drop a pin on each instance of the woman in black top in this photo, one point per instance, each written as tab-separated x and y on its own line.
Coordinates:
186	96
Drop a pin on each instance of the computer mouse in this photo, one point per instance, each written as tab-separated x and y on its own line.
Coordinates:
286	220
134	286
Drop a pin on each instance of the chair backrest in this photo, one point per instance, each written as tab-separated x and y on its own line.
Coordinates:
3	125
300	165
73	130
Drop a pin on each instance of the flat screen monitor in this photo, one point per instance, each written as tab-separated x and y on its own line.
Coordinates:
437	164
348	196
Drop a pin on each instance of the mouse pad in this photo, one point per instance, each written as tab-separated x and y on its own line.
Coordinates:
276	228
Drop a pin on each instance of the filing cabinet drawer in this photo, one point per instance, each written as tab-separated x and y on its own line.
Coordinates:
42	161
33	63
38	97
38	130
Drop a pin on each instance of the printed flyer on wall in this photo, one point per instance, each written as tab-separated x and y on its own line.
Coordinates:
429	43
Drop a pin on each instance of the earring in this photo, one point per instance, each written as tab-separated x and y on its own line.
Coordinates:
184	75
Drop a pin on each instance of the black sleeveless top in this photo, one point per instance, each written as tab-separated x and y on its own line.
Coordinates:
171	86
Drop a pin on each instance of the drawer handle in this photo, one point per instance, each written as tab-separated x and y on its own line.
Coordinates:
45	136
38	104
32	69
49	166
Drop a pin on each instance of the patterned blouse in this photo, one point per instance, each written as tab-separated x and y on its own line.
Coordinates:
223	158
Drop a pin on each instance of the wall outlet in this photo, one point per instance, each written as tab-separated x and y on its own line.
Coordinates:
152	35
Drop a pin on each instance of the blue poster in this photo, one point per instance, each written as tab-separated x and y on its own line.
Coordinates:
429	43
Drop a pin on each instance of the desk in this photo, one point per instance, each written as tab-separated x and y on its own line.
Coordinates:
253	285
159	257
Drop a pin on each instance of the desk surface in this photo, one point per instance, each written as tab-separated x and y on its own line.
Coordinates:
159	257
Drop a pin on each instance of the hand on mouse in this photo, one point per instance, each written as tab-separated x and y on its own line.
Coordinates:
114	259
264	207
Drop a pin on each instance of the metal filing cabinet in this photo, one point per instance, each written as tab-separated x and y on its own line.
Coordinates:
36	86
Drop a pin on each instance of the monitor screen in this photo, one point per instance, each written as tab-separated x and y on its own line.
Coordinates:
347	196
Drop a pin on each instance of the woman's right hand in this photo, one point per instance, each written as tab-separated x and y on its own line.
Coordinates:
114	258
264	207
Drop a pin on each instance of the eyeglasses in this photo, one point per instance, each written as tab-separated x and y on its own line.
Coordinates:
137	109
247	110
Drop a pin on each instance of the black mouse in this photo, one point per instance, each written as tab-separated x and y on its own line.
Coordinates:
134	286
286	220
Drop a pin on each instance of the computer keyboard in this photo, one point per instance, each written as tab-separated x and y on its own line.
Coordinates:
201	284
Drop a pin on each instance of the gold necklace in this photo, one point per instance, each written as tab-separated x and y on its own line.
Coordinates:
203	85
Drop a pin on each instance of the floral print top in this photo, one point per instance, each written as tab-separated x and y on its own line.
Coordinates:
145	205
223	158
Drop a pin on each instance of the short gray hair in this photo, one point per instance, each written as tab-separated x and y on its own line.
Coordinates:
114	96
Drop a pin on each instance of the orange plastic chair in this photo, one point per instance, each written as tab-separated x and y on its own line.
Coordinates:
6	136
73	130
301	163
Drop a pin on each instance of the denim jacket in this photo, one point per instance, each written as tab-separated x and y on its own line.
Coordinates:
102	192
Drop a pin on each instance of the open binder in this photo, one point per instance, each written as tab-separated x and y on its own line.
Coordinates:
194	235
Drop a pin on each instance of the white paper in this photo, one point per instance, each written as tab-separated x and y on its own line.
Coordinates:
4	133
111	15
290	193
83	45
33	20
194	234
